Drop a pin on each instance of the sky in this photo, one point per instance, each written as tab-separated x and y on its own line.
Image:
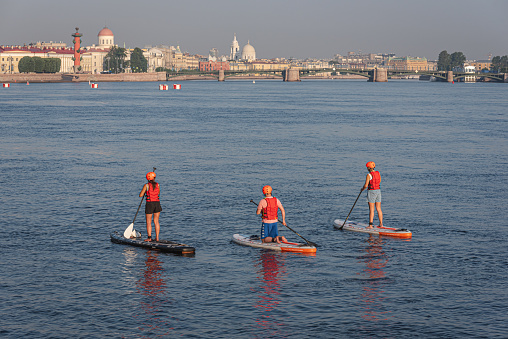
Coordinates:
276	28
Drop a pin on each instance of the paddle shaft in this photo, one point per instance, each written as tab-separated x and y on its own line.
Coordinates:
351	210
138	209
308	242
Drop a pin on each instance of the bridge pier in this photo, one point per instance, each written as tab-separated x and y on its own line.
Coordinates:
221	75
291	74
378	75
449	76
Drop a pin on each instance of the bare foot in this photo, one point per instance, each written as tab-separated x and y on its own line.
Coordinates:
149	238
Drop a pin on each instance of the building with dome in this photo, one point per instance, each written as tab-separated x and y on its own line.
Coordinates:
106	38
248	52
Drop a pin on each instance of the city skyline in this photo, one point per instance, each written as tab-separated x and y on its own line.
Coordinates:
276	29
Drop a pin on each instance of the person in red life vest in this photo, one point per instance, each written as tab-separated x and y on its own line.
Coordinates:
269	208
152	206
373	182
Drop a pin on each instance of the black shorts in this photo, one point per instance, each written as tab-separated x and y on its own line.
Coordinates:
152	207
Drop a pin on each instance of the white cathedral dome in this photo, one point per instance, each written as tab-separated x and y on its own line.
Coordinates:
248	52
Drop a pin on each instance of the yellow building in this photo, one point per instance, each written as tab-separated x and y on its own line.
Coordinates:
267	66
481	64
407	64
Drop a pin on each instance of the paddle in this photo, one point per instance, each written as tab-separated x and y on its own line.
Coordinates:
351	210
128	231
308	242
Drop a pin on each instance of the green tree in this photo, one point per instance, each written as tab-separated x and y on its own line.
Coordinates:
499	64
26	65
457	60
444	61
115	60
138	61
38	65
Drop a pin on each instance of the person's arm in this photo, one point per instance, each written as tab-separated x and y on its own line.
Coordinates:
143	191
367	180
260	207
282	211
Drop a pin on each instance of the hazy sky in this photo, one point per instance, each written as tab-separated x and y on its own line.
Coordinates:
276	28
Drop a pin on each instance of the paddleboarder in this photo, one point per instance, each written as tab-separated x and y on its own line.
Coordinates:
270	207
152	206
373	183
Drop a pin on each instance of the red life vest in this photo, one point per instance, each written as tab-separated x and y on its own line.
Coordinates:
152	194
271	209
374	183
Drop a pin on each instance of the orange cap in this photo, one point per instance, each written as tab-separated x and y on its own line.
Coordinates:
267	189
371	164
150	176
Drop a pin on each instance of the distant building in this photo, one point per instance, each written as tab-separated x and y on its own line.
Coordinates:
480	65
407	64
235	50
106	38
11	55
213	54
209	65
248	52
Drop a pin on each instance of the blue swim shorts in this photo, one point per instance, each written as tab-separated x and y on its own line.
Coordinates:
374	196
269	230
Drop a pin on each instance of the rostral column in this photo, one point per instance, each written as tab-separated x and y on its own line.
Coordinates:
77	56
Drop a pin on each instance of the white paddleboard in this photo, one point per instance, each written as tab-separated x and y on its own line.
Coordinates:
363	228
255	241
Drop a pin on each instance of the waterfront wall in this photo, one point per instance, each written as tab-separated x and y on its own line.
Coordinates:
69	77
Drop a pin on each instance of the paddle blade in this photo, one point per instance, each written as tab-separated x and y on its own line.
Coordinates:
128	231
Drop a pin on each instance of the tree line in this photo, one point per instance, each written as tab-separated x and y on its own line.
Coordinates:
447	62
39	65
114	61
500	64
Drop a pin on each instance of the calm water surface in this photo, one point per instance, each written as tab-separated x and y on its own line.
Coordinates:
73	161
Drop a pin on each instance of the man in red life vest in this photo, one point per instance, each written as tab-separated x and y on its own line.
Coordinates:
373	183
270	206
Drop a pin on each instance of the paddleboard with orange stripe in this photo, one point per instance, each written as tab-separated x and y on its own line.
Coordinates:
255	241
363	228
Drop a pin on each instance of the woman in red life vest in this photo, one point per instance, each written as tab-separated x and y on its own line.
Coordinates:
373	182
270	206
152	206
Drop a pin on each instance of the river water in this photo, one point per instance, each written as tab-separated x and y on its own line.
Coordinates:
73	160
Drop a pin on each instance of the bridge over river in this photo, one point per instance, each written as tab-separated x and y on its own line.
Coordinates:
372	75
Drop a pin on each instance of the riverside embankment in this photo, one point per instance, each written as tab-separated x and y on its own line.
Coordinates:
69	77
140	77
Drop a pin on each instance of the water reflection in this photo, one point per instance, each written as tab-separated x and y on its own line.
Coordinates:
270	273
374	280
153	288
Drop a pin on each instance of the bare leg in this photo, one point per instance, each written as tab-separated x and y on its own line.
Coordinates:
371	214
379	213
149	226
157	226
281	238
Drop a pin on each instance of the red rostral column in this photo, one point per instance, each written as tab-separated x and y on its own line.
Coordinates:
77	56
